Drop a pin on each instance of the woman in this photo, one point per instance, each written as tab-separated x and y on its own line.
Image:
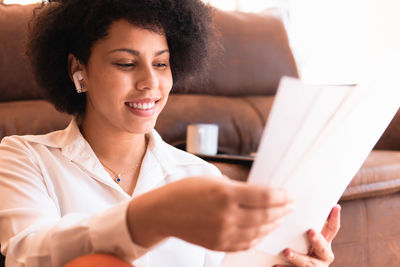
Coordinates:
108	183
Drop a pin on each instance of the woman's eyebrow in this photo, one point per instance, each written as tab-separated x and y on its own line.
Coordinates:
131	51
135	52
162	52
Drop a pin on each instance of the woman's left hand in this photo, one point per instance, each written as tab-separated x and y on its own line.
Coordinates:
320	254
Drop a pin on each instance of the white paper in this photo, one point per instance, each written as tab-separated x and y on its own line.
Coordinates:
315	141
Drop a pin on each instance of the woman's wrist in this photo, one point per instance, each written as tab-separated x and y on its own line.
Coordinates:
144	226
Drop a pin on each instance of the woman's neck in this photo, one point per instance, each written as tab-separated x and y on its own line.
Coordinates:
116	149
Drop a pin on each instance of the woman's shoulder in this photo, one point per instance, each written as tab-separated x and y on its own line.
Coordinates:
48	139
54	139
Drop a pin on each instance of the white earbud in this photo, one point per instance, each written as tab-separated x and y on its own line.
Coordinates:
77	76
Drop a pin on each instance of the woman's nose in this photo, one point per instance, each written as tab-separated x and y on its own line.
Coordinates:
147	79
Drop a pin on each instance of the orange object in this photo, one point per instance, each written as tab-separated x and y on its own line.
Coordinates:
98	260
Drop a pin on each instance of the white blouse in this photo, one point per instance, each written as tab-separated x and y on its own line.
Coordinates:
58	202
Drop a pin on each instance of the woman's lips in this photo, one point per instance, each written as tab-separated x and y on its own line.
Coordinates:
142	107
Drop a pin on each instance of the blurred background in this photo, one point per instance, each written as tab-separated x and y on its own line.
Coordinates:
334	41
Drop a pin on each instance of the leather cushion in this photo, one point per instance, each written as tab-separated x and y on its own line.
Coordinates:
379	175
370	234
30	117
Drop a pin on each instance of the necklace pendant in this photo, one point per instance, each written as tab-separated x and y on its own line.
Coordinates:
118	178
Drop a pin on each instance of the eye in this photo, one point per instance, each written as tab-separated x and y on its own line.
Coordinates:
161	65
124	65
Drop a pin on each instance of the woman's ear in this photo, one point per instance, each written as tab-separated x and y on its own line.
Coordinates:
77	77
75	71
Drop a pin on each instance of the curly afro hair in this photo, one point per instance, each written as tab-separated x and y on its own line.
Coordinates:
73	26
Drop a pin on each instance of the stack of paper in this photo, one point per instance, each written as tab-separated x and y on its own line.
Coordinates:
316	139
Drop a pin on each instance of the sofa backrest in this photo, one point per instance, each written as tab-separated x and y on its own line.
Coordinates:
256	54
16	81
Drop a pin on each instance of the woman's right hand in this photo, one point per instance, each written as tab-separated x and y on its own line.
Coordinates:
219	214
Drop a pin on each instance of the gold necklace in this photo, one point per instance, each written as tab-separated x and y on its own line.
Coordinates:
117	177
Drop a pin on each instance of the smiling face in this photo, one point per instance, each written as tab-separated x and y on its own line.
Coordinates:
127	79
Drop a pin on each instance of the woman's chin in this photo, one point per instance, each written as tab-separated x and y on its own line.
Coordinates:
141	129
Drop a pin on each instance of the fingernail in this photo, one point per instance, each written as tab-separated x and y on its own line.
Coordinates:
311	234
292	206
288	253
279	222
291	198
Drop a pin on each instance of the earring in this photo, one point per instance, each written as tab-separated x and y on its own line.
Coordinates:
77	76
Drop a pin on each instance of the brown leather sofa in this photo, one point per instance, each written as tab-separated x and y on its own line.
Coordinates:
237	96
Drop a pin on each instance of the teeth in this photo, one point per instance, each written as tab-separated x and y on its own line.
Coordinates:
143	106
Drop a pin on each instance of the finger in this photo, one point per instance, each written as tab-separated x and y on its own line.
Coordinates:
252	196
299	259
264	232
258	217
254	234
247	238
332	224
320	247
